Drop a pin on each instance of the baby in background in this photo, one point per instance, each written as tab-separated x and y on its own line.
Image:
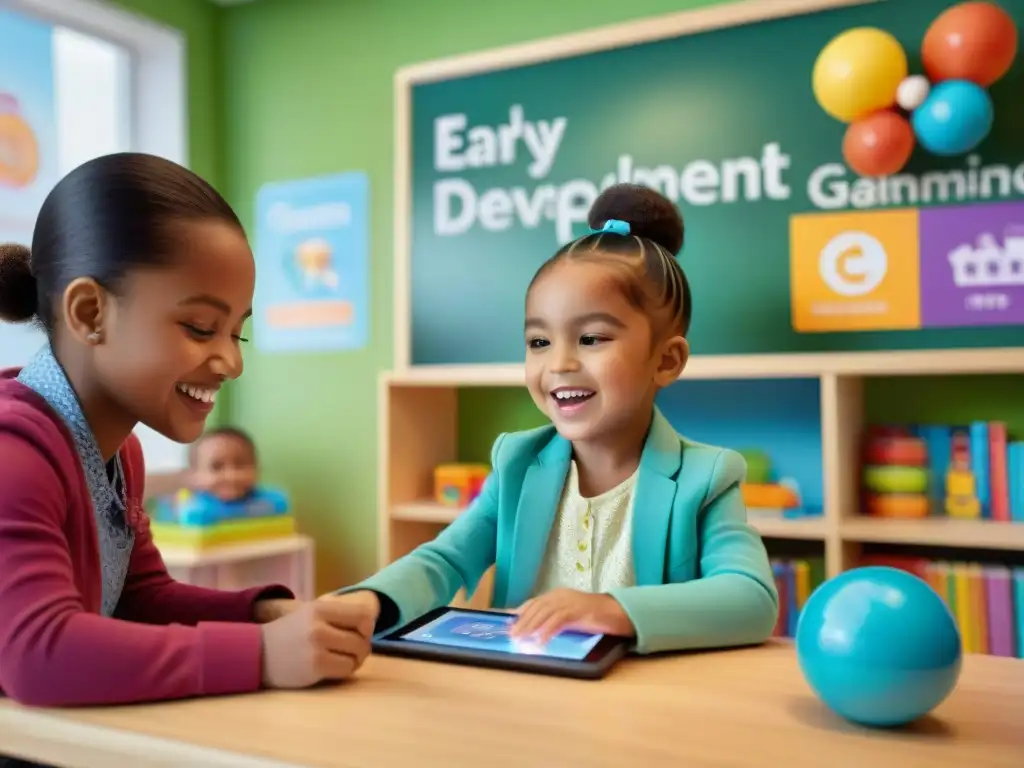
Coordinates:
222	483
223	463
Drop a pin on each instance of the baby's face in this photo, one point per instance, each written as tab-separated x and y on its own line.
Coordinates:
590	364
225	467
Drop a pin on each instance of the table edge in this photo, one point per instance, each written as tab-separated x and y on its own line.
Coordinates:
49	737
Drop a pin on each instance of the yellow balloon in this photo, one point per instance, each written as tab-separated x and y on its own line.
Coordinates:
858	73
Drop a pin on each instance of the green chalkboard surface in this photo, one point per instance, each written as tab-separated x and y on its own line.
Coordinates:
504	165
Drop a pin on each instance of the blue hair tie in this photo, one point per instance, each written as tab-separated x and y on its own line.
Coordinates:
613	226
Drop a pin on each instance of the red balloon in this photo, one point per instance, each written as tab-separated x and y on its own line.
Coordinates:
879	144
973	41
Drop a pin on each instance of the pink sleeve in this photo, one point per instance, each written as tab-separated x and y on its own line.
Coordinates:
150	595
55	653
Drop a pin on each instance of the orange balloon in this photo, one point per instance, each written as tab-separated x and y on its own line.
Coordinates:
973	41
879	144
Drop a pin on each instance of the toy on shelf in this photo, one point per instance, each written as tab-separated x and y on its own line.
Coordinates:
895	475
456	485
972	472
223	503
765	496
961	485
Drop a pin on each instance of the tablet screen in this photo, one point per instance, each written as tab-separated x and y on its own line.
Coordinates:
489	632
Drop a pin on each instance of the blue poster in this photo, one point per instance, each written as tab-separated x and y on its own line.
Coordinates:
28	126
29	166
312	254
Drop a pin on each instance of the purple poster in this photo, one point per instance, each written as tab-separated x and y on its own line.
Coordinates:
972	265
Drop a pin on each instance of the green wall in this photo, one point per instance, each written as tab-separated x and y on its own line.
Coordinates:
200	22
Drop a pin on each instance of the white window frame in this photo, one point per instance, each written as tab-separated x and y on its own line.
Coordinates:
158	113
157	75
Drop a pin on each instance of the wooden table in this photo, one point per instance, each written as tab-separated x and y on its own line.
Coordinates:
737	708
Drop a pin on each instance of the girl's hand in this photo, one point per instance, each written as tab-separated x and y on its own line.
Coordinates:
319	640
269	610
365	598
561	609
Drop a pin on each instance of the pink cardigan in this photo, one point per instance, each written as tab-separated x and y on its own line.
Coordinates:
167	640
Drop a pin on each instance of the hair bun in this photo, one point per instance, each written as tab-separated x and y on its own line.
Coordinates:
18	301
649	214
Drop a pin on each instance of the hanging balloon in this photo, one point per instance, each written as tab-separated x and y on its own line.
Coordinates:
858	73
973	41
954	119
879	144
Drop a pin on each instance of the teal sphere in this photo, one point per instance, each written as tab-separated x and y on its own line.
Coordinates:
878	646
954	119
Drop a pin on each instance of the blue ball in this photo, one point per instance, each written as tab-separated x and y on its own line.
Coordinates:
878	646
954	119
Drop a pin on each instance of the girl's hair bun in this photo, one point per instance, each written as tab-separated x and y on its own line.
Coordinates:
18	301
649	214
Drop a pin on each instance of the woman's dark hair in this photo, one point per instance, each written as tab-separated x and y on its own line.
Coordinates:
104	219
654	281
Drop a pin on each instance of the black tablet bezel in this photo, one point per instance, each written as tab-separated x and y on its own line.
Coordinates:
595	665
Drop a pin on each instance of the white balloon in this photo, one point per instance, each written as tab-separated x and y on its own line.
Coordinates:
912	92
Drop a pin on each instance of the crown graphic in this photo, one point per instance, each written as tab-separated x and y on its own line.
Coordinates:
986	264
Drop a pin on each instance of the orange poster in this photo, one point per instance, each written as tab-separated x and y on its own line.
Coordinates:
855	271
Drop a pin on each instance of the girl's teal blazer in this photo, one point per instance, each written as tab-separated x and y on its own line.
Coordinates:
702	573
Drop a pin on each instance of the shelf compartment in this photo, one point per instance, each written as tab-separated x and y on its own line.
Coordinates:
779	418
934	531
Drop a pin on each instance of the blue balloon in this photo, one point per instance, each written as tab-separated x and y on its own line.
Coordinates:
954	119
878	646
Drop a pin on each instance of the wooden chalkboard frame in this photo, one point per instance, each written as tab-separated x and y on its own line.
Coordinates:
418	406
647	30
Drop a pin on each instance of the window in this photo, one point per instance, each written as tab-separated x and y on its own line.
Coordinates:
70	91
79	79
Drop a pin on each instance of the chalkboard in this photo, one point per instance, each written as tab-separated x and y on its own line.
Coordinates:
733	104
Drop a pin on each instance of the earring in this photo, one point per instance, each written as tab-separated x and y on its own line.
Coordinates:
95	337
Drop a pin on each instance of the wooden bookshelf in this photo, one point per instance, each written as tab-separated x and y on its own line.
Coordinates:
418	429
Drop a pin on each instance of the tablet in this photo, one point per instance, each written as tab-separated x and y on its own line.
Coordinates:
481	638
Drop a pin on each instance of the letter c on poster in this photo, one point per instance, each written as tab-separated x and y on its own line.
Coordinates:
853	263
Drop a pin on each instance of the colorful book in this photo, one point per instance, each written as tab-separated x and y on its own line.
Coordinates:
951	590
935	575
999	600
998	473
1015	461
938	441
802	579
792	606
778	571
979	608
963	614
1018	599
979	465
795	581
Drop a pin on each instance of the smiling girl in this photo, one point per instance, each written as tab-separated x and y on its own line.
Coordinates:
141	277
607	520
